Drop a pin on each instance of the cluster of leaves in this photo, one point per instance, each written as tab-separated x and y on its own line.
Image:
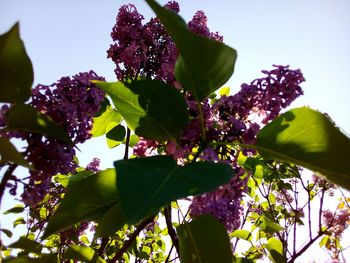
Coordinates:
127	204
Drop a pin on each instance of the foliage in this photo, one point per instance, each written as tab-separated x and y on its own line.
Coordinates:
231	178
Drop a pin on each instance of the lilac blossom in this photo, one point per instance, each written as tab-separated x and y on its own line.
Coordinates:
72	103
94	165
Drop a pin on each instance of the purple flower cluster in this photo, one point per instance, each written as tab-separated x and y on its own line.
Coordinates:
266	96
224	203
337	221
147	50
142	50
94	165
72	103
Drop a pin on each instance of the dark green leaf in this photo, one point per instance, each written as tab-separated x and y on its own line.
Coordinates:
15	210
16	70
7	232
9	153
204	65
26	118
151	109
27	245
110	116
275	247
146	184
307	138
85	254
204	240
86	199
112	221
115	135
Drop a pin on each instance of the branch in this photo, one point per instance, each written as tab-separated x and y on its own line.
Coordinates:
171	230
6	178
131	239
127	142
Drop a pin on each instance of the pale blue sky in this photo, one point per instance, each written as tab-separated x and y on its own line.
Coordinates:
64	37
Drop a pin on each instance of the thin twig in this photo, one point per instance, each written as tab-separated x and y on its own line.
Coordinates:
127	142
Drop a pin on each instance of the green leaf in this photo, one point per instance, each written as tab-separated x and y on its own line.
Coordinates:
87	199
44	258
151	108
26	118
308	138
7	232
242	234
19	221
27	245
15	210
243	260
85	254
147	184
204	65
268	226
111	222
16	70
110	116
115	135
275	247
204	240
9	153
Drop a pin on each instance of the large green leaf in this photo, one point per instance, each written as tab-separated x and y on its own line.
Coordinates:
82	253
204	240
107	118
204	65
151	109
115	135
88	199
44	258
308	138
26	118
275	247
9	153
112	221
147	184
16	70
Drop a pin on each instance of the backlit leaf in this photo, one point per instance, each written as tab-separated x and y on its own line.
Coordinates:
88	199
151	109
308	138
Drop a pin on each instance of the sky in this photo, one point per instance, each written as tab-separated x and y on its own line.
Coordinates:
64	37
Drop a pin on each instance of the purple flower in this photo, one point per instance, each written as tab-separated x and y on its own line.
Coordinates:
94	165
224	203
